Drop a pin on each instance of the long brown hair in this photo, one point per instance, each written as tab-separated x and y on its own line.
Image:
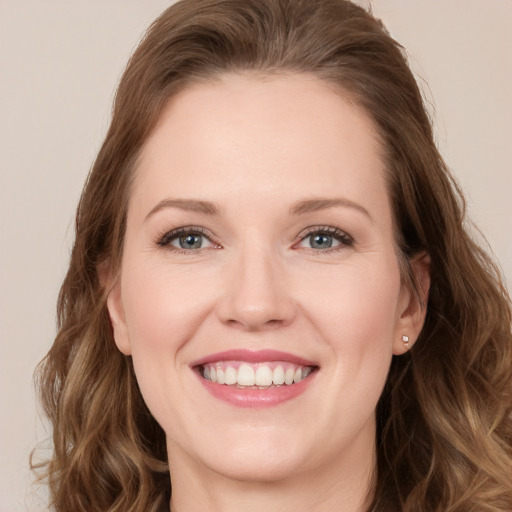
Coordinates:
444	420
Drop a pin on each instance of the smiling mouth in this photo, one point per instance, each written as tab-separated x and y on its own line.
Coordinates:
264	375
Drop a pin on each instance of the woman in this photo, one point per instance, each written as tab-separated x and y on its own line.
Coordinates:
272	300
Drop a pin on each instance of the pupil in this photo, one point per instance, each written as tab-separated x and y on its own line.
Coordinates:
321	241
190	242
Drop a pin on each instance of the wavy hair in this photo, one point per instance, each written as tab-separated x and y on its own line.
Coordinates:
444	437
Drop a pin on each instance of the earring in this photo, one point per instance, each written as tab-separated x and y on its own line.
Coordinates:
405	340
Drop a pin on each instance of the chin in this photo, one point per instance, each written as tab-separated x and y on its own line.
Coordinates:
258	469
257	458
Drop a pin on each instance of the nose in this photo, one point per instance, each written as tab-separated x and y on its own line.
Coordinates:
257	295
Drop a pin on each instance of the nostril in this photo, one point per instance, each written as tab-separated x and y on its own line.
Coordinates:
255	312
254	324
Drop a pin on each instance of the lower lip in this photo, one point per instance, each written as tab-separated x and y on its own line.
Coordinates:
257	398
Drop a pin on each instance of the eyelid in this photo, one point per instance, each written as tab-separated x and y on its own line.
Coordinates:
345	239
164	238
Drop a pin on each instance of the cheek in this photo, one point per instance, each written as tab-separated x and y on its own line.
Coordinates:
162	306
358	323
163	309
357	316
360	298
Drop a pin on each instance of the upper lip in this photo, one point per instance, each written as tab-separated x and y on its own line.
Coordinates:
253	356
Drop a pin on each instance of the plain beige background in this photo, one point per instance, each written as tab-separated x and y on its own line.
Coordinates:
59	64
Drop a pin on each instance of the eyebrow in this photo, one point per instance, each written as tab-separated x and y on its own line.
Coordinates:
321	203
190	205
298	208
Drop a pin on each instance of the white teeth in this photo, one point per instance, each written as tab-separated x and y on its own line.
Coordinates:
246	375
278	375
263	376
258	375
288	376
231	375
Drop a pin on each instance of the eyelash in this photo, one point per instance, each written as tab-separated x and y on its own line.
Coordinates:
165	239
344	239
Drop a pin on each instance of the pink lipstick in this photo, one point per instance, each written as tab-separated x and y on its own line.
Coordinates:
254	379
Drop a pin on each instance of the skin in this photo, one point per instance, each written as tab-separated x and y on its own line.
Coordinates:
255	146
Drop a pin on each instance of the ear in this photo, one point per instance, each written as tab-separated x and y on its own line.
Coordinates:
116	310
412	305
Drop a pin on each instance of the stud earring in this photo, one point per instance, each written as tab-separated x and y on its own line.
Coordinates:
405	340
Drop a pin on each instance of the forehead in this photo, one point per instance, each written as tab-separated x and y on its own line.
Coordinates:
271	135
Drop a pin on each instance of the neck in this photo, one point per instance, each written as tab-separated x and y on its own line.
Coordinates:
344	484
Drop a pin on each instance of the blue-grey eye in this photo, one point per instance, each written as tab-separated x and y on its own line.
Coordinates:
189	241
320	241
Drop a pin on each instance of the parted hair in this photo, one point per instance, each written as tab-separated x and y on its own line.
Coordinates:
444	428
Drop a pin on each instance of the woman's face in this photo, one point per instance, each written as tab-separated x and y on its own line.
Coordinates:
259	251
